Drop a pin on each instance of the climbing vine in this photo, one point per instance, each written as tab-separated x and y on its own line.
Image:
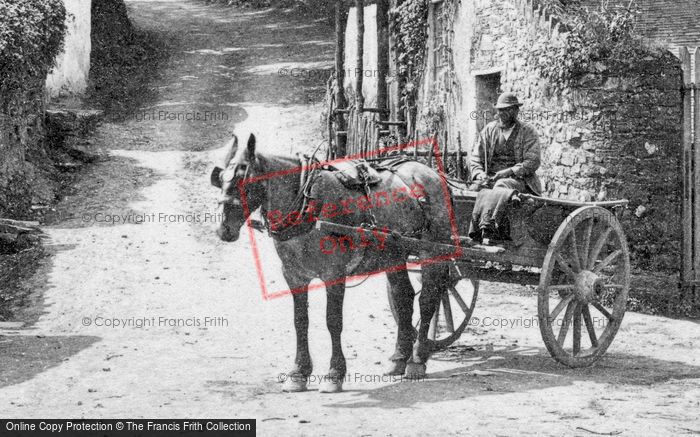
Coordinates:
592	41
410	24
31	36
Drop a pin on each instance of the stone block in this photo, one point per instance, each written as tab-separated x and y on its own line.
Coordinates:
567	159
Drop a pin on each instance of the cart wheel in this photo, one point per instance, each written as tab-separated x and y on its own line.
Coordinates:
584	282
453	313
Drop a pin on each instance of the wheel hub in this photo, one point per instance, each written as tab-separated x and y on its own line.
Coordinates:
588	286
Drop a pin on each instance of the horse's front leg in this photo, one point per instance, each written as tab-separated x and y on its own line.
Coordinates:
333	382
296	380
434	284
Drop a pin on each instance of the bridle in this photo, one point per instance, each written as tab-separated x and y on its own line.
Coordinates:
300	202
229	175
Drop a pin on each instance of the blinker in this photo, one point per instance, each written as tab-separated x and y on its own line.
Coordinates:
228	175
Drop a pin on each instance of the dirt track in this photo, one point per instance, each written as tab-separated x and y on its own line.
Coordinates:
61	363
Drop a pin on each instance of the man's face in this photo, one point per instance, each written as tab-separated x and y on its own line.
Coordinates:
508	116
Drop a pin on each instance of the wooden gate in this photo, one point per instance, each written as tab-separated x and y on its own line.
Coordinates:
690	275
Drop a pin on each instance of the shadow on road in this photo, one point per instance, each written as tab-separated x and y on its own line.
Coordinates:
513	370
102	194
24	357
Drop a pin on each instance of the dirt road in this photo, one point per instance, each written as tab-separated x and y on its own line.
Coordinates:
135	247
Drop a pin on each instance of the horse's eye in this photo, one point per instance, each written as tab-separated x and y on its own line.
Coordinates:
228	175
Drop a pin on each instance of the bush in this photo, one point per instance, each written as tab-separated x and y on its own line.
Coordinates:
31	36
596	39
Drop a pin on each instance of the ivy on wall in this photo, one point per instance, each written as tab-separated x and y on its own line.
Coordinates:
410	24
594	40
31	36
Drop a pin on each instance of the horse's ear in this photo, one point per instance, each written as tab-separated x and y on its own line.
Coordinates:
251	146
231	152
215	177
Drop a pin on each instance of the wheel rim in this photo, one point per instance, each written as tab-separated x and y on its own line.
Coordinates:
453	313
584	287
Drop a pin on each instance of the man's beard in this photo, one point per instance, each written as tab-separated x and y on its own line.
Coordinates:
506	124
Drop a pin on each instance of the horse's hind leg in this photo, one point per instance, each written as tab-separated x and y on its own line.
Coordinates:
402	295
434	284
333	382
297	379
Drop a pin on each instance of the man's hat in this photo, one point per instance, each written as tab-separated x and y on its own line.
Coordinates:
506	100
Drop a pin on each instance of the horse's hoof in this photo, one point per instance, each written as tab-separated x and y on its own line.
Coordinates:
294	384
396	368
415	371
331	385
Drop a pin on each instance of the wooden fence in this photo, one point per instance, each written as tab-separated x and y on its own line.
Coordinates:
690	274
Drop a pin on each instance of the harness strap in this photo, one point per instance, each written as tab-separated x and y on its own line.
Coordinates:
299	204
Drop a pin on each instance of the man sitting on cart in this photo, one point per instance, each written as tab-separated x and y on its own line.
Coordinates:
505	158
507	152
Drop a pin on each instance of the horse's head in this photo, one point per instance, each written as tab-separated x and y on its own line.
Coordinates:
241	165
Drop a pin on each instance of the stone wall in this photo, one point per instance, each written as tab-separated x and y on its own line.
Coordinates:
70	76
21	136
615	134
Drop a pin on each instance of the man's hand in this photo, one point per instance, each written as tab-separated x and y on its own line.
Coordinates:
503	174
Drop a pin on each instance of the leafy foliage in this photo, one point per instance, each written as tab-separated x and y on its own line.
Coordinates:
410	23
433	115
596	39
31	36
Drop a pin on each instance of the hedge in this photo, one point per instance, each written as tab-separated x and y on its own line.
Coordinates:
31	36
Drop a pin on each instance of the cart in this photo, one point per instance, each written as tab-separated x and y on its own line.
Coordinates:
574	252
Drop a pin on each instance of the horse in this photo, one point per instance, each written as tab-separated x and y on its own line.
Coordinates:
308	253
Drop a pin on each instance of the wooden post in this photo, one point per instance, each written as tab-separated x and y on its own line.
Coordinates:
382	57
341	14
696	174
359	71
459	155
444	151
687	273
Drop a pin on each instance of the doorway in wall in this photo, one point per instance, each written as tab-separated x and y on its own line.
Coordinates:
488	87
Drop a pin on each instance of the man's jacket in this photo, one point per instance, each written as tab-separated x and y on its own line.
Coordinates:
526	150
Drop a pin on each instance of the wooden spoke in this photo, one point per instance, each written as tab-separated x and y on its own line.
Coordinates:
602	310
597	247
577	329
563	287
614	286
459	300
447	309
586	242
566	322
565	266
589	325
564	302
606	262
574	250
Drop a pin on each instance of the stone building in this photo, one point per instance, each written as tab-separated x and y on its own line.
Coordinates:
615	133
